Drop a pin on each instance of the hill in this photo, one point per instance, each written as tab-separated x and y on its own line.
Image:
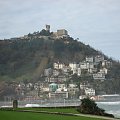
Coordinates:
19	58
26	58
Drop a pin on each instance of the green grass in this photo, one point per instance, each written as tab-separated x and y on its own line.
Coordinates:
12	115
62	110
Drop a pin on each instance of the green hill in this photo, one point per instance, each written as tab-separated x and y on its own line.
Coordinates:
20	58
24	59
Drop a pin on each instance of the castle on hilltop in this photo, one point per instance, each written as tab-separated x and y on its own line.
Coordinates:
46	34
59	34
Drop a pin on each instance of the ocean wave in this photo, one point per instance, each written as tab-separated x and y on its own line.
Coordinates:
109	103
115	113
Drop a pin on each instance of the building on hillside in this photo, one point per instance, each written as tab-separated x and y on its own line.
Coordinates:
56	73
83	65
86	65
79	72
38	86
62	86
51	79
48	72
62	78
75	70
58	95
104	71
29	86
99	58
58	65
89	59
99	76
73	91
73	66
83	86
53	87
62	32
106	64
72	86
66	69
89	92
92	70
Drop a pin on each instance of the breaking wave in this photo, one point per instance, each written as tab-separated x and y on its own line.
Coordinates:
115	113
109	103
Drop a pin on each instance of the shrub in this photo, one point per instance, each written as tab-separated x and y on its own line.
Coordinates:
89	106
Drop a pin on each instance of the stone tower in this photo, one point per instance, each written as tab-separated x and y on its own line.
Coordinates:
48	28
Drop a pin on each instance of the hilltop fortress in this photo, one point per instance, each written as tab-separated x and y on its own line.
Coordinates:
46	33
59	33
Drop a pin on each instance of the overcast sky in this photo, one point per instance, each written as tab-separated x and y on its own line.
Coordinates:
94	22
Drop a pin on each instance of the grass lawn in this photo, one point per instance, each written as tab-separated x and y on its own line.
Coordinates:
63	110
12	115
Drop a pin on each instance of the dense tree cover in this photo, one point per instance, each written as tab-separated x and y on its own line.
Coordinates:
20	55
25	59
45	33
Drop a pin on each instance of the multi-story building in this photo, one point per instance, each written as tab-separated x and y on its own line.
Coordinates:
83	86
79	71
89	59
104	71
62	32
99	58
55	72
58	65
48	72
90	92
106	64
99	76
62	86
73	66
86	65
58	95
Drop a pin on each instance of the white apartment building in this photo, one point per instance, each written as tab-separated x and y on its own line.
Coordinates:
106	64
73	66
61	86
79	72
104	70
99	76
58	65
58	95
89	59
90	92
99	58
48	72
86	65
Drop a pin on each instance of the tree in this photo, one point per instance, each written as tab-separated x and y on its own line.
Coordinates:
89	106
45	33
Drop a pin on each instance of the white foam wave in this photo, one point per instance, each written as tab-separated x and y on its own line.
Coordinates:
115	113
109	103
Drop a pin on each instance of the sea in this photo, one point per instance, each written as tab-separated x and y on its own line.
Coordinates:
111	105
